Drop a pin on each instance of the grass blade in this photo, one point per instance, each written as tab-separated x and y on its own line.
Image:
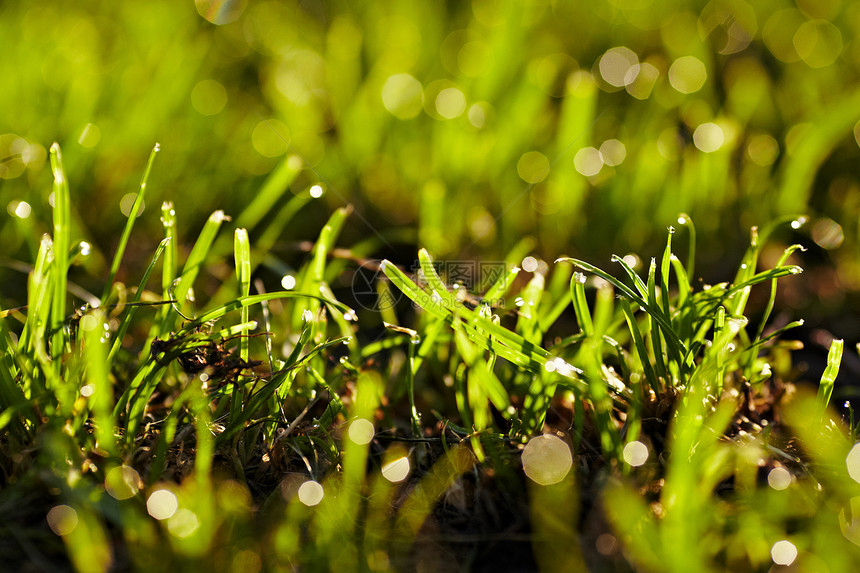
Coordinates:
242	257
507	344
98	379
684	219
637	280
314	273
628	293
198	255
126	321
828	379
640	346
62	222
580	304
126	232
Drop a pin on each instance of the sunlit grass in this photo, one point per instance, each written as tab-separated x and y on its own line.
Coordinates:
247	409
197	442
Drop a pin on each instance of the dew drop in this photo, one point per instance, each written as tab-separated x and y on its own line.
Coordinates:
799	222
530	264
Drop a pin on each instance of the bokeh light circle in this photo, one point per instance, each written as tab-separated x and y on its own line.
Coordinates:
852	460
818	43
122	482
687	74
220	12
402	96
635	453
311	493
396	470
62	519
779	478
162	504
361	431
783	552
547	459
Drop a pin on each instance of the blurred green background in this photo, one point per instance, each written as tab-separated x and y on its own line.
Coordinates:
460	126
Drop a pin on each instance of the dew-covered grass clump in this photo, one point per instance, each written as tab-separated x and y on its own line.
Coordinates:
484	286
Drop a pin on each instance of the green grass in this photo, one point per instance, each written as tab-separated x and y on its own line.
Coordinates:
171	442
185	421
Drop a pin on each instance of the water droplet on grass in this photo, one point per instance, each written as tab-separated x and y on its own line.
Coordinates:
530	264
